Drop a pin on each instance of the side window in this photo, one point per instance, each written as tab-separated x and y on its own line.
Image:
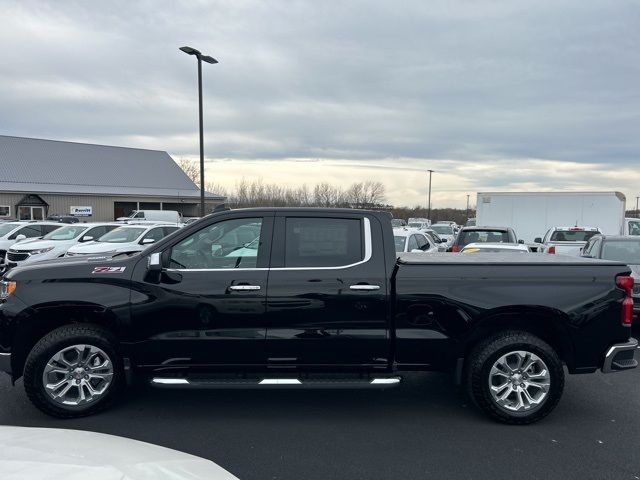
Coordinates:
154	234
227	244
594	251
32	231
323	242
96	232
422	242
413	244
49	228
169	230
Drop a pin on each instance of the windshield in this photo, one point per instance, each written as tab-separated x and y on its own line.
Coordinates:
625	251
442	229
572	235
7	227
121	235
65	233
398	222
399	243
416	225
482	236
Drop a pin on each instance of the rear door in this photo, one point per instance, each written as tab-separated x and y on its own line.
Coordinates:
327	293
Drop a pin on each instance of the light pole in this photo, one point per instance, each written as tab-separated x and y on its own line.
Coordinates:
429	207
637	211
468	206
201	58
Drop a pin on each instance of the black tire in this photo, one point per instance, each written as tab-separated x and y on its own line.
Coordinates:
54	342
483	357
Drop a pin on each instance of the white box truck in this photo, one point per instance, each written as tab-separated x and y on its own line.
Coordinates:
531	214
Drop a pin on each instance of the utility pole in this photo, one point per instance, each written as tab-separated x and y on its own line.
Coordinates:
429	207
468	206
637	211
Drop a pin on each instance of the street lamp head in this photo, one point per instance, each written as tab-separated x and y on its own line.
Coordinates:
190	51
208	59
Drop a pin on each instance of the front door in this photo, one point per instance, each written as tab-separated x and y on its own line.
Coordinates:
327	296
208	305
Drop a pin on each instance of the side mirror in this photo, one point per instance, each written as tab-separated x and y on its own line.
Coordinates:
538	240
86	239
521	241
21	237
147	241
154	264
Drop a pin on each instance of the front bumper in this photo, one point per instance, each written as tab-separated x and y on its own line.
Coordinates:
620	357
5	363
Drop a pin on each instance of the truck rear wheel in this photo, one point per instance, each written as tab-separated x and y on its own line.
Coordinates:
73	371
515	377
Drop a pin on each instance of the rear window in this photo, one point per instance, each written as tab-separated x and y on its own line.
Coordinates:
466	237
624	251
442	229
572	235
323	242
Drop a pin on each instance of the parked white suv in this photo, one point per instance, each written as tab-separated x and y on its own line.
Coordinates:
567	240
124	239
55	244
14	232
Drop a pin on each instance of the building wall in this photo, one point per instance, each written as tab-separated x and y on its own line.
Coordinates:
103	206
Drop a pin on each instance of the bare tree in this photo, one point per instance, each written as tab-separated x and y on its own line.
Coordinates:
191	168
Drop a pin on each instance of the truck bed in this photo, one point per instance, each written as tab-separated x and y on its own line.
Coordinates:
500	259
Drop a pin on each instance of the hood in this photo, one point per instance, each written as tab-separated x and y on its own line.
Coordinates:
36	244
37	453
100	247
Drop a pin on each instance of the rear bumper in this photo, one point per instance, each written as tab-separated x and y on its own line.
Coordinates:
620	357
5	363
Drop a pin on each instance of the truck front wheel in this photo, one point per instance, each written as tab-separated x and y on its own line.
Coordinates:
515	377
73	371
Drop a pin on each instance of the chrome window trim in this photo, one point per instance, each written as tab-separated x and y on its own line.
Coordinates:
368	253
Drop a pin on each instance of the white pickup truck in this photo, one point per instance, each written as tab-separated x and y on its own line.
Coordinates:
567	240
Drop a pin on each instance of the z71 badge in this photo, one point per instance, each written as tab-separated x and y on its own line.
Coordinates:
108	269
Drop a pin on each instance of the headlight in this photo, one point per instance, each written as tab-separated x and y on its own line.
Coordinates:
6	289
42	250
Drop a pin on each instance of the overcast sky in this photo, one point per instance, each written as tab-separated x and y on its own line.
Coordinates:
493	95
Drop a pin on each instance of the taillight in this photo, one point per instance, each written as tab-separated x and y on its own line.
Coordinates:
626	283
552	249
455	248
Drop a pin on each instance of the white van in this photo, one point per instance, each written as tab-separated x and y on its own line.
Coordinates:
166	216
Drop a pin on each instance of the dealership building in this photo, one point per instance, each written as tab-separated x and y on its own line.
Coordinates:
97	182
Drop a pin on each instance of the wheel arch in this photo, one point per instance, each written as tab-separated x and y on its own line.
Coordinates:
45	318
550	325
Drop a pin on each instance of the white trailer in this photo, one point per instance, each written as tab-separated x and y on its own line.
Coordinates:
531	214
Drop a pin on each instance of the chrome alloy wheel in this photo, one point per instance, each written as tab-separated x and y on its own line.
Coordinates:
77	375
519	381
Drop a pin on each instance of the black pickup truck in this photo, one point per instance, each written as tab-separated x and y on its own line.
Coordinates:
311	298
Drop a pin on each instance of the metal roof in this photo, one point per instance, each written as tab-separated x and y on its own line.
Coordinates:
51	166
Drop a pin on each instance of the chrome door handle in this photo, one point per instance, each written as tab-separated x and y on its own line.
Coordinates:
244	287
365	287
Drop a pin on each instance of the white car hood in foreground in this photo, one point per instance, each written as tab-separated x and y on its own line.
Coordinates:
51	453
102	247
38	244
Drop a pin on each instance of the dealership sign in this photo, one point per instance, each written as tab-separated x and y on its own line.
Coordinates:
81	211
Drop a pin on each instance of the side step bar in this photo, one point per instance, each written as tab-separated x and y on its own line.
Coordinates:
182	382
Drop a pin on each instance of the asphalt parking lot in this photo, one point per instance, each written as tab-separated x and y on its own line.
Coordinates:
422	429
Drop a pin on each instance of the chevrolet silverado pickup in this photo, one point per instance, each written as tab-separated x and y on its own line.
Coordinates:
304	298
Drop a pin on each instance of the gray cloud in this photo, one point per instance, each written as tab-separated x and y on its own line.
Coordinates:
358	80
